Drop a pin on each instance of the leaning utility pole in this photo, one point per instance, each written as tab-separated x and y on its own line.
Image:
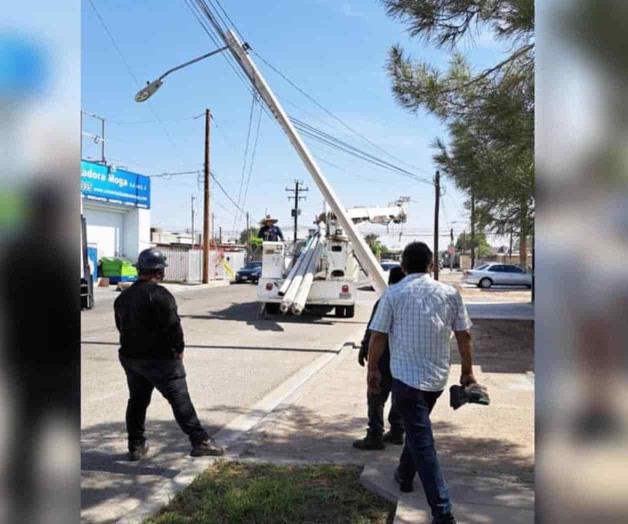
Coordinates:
361	249
472	231
436	209
298	187
206	207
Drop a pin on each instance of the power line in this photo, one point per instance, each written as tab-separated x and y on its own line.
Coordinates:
328	112
246	154
330	140
252	162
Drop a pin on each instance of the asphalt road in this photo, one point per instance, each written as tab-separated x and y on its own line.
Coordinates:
232	359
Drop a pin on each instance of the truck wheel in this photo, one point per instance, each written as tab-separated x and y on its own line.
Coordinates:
271	308
340	311
349	311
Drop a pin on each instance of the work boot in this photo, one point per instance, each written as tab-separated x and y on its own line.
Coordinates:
370	442
206	448
137	451
444	519
407	486
393	436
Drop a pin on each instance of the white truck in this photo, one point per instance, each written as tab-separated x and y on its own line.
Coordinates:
321	273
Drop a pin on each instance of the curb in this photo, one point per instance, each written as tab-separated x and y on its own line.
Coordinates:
229	434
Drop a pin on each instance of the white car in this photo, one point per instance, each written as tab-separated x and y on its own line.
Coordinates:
495	273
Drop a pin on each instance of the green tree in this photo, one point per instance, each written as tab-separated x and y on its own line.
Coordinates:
482	247
373	242
489	114
247	234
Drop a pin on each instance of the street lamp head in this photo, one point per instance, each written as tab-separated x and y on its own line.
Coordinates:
148	91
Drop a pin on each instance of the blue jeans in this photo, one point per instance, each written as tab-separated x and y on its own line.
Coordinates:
419	454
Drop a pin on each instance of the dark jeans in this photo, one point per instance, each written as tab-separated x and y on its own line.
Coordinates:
419	453
376	403
168	377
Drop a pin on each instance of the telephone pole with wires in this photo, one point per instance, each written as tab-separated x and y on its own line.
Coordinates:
97	139
298	188
206	202
436	210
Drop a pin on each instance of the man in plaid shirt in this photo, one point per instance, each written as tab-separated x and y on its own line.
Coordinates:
417	317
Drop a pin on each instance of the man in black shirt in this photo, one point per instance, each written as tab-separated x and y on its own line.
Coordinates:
151	353
269	231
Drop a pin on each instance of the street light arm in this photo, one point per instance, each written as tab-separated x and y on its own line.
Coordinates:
151	87
198	59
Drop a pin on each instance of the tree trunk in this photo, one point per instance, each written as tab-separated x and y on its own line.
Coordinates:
523	250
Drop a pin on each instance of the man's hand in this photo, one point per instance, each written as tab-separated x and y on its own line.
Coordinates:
373	379
363	355
466	379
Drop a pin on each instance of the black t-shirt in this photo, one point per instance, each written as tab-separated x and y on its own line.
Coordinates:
148	322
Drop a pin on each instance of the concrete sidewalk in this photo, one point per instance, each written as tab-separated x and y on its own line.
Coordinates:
486	452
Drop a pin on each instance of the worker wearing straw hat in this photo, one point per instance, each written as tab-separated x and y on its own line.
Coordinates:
269	231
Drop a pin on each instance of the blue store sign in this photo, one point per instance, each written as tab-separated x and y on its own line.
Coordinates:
107	184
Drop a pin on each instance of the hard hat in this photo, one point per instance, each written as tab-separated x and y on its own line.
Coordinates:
151	258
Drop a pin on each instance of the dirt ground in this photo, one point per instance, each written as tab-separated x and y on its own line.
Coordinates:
495	441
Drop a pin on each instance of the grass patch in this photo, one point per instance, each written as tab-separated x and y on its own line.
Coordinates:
236	492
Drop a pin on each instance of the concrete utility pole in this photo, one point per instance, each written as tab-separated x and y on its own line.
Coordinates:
100	138
220	235
472	231
206	206
298	187
436	209
192	206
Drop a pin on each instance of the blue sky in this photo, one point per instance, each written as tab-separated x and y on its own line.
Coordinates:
334	50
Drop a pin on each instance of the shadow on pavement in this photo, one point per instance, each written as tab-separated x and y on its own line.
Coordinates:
249	312
215	346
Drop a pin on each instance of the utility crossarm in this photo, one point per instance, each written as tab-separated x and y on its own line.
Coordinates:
363	253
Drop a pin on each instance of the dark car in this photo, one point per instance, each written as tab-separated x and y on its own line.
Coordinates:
249	273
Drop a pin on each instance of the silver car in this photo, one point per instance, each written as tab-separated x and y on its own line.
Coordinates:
497	274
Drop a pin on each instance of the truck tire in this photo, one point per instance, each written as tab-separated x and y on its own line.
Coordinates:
349	311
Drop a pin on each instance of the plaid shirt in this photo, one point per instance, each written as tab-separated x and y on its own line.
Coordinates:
419	315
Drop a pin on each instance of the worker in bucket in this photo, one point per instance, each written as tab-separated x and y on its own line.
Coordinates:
151	353
270	232
375	436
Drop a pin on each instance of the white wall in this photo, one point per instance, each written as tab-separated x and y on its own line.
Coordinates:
137	232
117	230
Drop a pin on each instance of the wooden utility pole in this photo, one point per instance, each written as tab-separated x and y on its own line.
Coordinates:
298	187
206	206
436	209
472	231
248	236
451	250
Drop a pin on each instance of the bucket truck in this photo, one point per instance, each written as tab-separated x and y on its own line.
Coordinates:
323	273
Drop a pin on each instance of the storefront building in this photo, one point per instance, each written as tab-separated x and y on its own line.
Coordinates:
116	206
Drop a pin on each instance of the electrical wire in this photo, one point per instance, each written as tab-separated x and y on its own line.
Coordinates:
252	162
246	154
328	112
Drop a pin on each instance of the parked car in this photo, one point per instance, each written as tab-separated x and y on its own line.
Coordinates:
387	265
494	273
249	273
